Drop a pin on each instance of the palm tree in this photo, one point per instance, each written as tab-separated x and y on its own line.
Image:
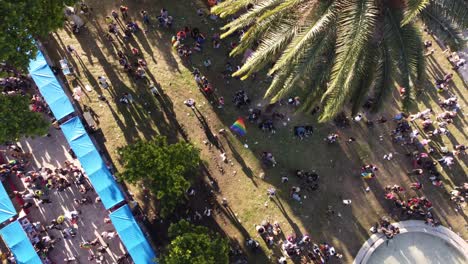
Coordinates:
338	51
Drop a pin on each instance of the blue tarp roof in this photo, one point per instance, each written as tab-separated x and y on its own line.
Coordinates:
7	210
73	129
82	146
92	163
18	242
105	185
132	237
78	138
49	87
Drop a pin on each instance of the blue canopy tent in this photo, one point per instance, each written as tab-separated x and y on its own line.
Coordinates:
17	240
82	146
73	129
92	163
7	210
49	87
105	185
78	138
132	237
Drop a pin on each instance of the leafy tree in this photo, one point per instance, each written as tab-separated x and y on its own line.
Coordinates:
336	51
195	244
22	22
17	120
162	166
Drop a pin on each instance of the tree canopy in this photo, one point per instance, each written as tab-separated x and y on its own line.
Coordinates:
195	244
334	52
17	120
22	22
162	167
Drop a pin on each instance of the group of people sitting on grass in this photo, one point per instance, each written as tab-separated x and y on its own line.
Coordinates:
180	42
138	68
303	131
308	180
455	59
459	195
295	248
292	246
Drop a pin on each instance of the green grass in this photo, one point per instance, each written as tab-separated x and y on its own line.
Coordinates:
338	165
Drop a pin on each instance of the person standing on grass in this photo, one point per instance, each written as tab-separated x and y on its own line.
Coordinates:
124	11
145	16
115	15
72	50
103	82
221	102
154	89
109	20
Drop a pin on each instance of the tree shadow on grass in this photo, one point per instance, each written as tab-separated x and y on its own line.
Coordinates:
152	38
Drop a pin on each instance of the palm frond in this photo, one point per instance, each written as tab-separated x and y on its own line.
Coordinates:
229	7
307	66
454	11
258	30
447	31
286	6
383	82
412	9
249	17
356	24
367	76
304	40
401	42
272	44
317	82
279	81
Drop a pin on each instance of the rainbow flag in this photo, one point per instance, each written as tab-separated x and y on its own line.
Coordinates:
367	175
239	127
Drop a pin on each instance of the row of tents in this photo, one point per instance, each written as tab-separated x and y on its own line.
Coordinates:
92	163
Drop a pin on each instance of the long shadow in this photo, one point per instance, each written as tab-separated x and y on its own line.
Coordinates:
156	37
143	40
132	114
258	254
280	205
245	168
206	128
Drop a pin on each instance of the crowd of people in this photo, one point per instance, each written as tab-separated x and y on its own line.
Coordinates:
423	158
43	186
385	227
292	246
16	83
424	155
